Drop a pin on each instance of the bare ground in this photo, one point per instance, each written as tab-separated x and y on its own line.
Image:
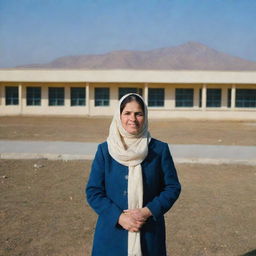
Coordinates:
86	129
43	210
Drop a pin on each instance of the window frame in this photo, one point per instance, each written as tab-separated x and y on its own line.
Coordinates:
212	99
248	100
156	92
136	90
104	99
77	98
11	95
183	102
58	99
35	99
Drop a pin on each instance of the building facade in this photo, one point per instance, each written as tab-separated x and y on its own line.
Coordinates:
169	94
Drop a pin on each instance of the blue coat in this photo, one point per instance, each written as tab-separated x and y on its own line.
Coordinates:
107	194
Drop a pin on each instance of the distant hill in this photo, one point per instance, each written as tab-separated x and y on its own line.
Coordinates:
188	56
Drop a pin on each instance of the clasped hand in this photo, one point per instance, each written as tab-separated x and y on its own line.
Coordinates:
133	219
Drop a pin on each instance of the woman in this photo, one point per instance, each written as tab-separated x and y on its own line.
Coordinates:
133	183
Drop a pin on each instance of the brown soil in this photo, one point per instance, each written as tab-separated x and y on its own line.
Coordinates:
43	210
96	130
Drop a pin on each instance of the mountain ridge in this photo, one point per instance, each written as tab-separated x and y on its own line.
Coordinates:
188	56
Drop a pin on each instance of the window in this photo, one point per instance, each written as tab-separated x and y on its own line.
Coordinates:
11	95
125	90
156	97
56	96
246	98
33	96
101	96
229	98
78	96
184	97
213	98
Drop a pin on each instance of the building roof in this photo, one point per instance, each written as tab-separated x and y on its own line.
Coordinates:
128	76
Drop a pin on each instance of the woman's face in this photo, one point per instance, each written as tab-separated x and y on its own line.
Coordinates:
132	117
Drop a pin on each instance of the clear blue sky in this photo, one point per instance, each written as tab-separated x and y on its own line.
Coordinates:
38	31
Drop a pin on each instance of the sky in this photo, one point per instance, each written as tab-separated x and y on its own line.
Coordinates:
39	31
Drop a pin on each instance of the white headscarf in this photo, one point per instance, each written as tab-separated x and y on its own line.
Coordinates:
130	150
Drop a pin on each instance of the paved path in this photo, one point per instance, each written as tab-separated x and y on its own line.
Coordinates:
214	154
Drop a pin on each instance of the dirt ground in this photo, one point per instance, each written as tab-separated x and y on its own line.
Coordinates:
43	210
96	130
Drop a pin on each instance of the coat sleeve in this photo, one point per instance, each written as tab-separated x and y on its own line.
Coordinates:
96	193
170	186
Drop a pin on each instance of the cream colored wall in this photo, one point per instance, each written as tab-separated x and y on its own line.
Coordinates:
244	86
170	94
44	109
10	109
222	113
128	76
168	111
1	95
113	102
224	94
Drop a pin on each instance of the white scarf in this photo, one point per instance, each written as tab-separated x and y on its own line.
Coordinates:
130	154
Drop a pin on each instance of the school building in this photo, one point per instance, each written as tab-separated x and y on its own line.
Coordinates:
169	94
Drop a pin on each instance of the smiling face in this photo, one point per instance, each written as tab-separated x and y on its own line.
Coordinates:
132	117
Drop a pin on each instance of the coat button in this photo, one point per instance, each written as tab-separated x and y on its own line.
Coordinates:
125	192
126	177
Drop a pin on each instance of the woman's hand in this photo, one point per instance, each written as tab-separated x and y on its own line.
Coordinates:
129	223
139	214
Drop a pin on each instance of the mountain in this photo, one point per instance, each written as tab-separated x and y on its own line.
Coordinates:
188	56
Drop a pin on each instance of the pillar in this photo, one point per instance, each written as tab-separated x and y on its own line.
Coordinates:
224	97
2	96
20	100
88	97
172	97
233	96
204	96
146	93
168	97
44	96
67	100
114	99
196	97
